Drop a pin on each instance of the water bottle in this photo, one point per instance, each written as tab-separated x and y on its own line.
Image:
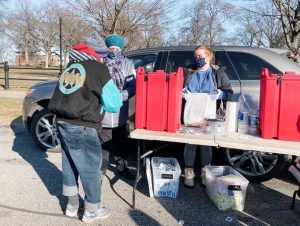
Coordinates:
243	116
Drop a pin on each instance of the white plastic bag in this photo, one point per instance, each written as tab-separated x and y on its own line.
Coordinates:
295	168
198	107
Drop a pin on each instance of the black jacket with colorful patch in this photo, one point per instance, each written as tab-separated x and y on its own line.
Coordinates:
84	91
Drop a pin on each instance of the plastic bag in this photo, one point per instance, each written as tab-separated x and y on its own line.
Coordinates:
198	107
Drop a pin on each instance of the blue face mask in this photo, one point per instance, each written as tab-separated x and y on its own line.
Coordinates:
115	54
199	62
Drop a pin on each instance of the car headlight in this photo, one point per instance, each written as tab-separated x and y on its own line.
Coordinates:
28	92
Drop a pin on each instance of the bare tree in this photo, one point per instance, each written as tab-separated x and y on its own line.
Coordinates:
260	26
289	11
205	19
43	27
18	30
34	28
74	30
139	21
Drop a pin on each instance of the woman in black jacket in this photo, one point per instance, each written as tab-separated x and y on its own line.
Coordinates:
204	77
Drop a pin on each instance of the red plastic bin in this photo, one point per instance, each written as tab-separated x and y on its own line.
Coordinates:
289	110
140	99
268	104
174	100
157	99
279	106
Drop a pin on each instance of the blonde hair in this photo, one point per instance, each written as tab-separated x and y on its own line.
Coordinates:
208	52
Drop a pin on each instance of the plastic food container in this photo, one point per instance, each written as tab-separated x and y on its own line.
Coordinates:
226	187
166	173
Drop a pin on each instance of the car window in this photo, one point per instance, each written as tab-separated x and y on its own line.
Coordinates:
146	61
222	60
179	59
249	66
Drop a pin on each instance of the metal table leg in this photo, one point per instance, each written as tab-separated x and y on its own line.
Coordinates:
141	147
294	197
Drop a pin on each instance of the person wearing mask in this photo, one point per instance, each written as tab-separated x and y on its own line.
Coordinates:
114	126
204	77
84	92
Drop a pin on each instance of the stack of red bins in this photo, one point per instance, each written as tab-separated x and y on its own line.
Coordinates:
158	100
279	115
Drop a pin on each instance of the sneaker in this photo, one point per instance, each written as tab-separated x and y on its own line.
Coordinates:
189	177
71	211
125	173
100	213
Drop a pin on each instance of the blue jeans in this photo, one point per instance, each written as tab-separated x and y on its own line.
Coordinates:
81	156
190	155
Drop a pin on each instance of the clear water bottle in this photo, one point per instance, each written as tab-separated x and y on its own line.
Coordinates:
243	116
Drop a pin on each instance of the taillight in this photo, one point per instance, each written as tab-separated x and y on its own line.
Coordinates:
28	92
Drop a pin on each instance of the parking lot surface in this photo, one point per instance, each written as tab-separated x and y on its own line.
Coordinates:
30	194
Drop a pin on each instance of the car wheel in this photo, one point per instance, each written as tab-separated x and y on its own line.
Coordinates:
43	131
254	165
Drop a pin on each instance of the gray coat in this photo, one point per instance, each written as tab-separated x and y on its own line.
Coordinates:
112	120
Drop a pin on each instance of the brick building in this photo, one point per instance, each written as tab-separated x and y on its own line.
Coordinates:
37	60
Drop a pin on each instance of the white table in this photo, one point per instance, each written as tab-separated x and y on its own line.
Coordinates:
226	140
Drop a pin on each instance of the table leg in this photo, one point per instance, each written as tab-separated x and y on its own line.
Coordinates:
138	166
294	198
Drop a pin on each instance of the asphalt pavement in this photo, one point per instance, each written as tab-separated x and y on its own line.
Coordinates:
30	194
11	93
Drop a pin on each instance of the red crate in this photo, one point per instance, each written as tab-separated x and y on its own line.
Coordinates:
268	104
140	99
157	99
289	109
175	100
279	106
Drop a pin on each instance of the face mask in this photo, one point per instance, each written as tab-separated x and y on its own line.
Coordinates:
199	62
114	54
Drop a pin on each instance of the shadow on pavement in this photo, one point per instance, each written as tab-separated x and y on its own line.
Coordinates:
50	175
263	206
142	218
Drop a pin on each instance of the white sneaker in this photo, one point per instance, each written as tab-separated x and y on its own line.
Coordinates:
71	211
100	213
189	177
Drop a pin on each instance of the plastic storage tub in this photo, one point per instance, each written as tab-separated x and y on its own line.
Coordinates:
166	173
226	187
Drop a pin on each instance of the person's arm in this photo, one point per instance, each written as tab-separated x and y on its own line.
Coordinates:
111	97
129	83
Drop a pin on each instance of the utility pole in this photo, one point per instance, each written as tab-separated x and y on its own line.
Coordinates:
60	47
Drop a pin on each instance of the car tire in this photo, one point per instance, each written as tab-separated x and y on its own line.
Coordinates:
256	166
43	131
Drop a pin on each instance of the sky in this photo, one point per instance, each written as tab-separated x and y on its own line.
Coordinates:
182	5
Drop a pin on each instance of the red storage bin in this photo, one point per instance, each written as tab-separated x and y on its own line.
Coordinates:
140	99
289	109
268	104
157	99
279	106
174	100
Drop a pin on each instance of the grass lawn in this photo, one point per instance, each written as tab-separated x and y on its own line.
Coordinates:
10	108
19	84
23	71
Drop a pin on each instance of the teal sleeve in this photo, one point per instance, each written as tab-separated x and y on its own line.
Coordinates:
111	97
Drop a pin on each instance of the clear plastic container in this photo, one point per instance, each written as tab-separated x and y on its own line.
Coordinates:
226	187
166	173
